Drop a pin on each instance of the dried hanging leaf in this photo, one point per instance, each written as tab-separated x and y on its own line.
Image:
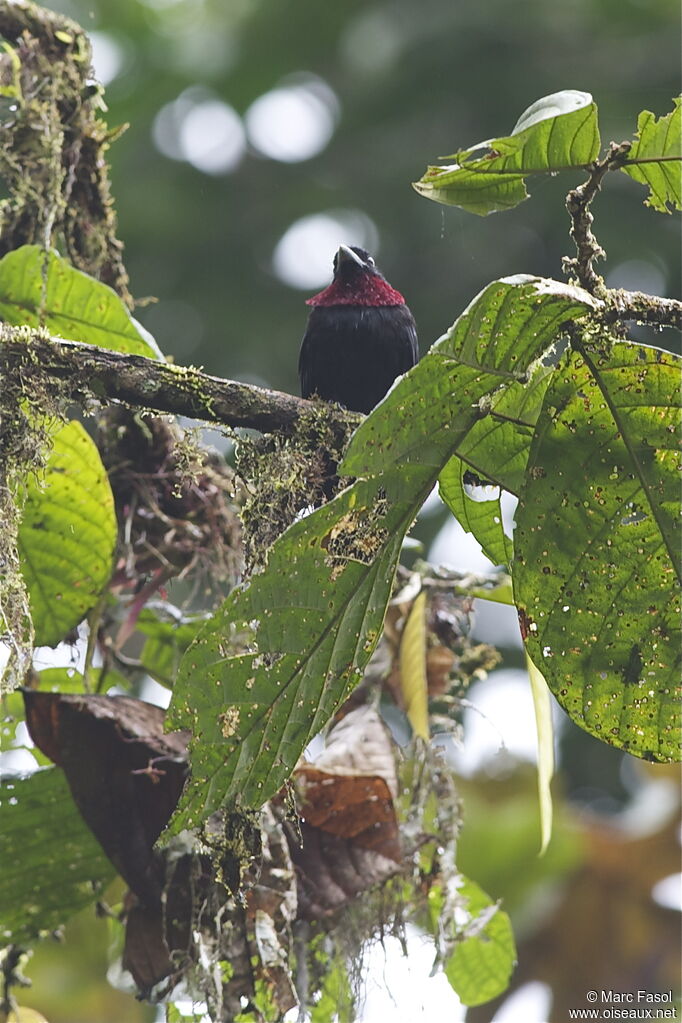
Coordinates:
125	775
349	831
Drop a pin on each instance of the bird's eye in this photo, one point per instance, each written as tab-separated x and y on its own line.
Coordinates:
370	261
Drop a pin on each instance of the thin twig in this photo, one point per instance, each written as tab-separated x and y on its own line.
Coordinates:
578	205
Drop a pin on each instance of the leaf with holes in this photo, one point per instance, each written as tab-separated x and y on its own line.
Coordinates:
73	306
287	648
67	535
282	653
659	148
496	450
45	881
557	132
477	511
596	571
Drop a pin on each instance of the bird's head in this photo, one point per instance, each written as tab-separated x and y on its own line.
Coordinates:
356	282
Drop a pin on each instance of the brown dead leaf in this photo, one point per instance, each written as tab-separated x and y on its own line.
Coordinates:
349	830
124	773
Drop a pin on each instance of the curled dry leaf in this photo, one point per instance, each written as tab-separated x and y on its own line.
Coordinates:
126	776
124	773
349	838
446	642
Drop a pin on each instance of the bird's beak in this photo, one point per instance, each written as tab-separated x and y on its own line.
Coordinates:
346	255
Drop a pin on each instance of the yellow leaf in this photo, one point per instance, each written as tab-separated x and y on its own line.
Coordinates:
413	668
22	1014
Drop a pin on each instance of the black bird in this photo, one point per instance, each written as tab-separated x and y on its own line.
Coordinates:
360	335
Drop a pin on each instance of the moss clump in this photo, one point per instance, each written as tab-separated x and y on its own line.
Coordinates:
53	145
24	442
282	476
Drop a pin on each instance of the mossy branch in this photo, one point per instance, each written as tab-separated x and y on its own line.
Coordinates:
83	372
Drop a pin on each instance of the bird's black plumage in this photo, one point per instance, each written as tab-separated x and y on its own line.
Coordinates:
360	336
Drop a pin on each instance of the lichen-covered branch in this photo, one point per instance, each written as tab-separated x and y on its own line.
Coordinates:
578	205
85	371
637	305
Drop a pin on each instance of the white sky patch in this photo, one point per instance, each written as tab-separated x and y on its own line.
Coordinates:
501	717
294	121
108	56
457	549
401	989
530	1004
668	892
304	254
202	130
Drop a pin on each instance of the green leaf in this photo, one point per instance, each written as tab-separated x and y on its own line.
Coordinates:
285	650
596	572
497	446
335	1000
74	306
166	643
67	535
52	864
479	515
557	132
500	592
545	732
483	958
659	148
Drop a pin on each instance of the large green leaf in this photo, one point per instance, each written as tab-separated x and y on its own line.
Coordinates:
71	305
167	640
659	148
597	544
285	650
52	865
481	962
496	449
557	132
67	535
283	653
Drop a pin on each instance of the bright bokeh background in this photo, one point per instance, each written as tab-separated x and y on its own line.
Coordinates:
262	134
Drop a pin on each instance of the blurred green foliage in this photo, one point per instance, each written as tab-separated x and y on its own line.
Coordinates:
412	81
